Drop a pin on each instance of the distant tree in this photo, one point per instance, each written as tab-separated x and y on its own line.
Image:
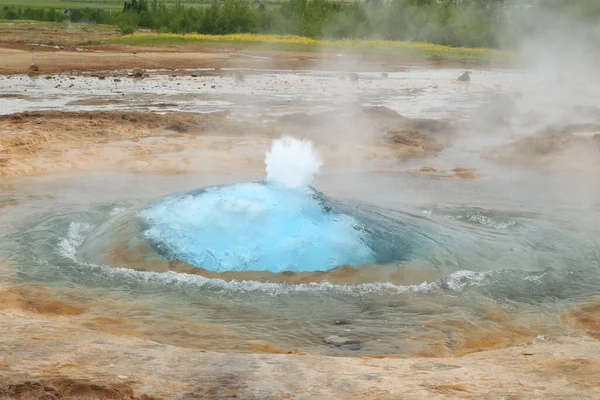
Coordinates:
135	6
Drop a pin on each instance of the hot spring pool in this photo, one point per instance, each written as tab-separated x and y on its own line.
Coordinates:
362	271
278	225
332	259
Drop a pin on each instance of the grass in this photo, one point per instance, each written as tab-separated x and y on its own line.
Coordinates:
41	26
62	4
299	43
103	4
42	32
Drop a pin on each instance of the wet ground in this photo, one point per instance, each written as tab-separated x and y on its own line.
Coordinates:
514	253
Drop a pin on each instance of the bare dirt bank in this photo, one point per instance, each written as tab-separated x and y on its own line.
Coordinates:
17	57
175	142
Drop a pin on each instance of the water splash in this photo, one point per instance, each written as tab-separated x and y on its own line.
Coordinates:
255	226
260	226
292	162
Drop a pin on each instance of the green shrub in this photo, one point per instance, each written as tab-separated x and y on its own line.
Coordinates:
127	29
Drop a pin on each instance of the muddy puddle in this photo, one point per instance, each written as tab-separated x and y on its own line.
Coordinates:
509	253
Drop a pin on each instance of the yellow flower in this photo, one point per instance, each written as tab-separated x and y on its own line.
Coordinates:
418	47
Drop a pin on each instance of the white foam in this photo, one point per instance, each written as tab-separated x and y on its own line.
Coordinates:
76	235
116	211
292	162
456	281
459	280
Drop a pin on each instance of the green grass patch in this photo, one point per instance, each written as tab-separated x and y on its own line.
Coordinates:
100	4
298	43
63	4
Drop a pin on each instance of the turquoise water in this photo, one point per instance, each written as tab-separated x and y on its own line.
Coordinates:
453	257
256	226
525	242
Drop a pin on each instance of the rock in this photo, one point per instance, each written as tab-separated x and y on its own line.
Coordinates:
353	76
384	74
342	322
138	73
561	146
102	77
417	142
335	340
465	77
178	126
34	67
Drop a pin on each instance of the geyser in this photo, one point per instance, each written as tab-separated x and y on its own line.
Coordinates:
280	224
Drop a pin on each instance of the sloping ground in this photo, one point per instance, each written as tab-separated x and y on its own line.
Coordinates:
53	141
47	357
563	147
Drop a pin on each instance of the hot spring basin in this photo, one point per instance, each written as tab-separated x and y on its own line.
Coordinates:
276	225
256	227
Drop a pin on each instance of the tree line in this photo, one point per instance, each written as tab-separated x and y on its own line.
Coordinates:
469	23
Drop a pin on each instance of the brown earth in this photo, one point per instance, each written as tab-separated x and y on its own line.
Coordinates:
498	328
65	388
21	32
36	299
54	141
586	318
48	358
460	173
564	147
17	58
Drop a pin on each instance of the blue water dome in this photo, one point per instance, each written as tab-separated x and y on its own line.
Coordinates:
280	224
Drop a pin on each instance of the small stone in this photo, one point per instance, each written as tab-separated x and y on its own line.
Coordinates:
353	76
138	72
340	340
465	77
384	74
342	322
34	67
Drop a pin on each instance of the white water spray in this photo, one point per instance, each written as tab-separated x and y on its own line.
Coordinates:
292	162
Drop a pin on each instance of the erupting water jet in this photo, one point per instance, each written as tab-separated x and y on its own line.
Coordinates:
280	224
